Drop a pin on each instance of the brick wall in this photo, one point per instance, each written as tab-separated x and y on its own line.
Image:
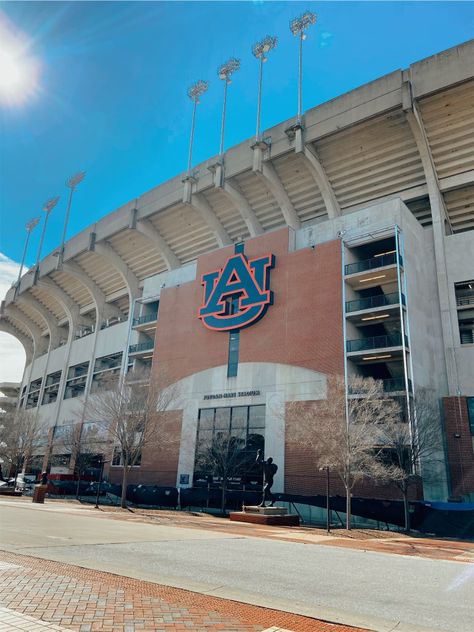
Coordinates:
459	444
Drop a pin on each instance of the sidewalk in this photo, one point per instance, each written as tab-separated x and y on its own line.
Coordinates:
39	595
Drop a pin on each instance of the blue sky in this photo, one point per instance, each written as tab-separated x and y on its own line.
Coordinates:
113	81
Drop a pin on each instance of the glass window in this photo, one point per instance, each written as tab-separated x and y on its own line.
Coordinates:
222	419
257	416
239	417
470	410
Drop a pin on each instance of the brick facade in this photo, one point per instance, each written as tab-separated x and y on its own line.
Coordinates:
459	445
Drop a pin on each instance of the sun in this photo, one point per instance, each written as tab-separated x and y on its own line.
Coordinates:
19	70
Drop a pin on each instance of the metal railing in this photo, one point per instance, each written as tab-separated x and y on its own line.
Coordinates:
396	384
373	301
141	346
465	300
376	342
146	318
371	264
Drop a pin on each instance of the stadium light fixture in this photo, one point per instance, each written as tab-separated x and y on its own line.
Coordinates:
194	93
298	27
260	50
224	73
71	183
30	226
47	208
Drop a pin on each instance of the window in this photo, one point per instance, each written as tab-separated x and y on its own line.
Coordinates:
34	393
106	369
465	307
118	459
245	424
51	388
470	412
76	380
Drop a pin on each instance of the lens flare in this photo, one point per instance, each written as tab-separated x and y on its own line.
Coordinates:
19	70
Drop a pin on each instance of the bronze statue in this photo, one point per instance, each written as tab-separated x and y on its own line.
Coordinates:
269	471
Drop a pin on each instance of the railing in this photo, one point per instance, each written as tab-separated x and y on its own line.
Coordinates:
396	384
141	346
147	318
374	301
465	300
374	262
376	342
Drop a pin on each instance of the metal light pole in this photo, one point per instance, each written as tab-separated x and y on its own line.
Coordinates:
30	225
260	50
102	463
298	27
71	184
194	92
328	522
47	208
224	72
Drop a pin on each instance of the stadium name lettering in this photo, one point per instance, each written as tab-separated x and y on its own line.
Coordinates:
230	395
238	294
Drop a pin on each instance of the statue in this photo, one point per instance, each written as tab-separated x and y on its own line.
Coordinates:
269	471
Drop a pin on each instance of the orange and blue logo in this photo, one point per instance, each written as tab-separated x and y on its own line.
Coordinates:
238	294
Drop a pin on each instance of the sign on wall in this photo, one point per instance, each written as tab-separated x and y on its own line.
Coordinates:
238	294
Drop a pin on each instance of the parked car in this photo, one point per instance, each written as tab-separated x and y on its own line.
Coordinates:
24	482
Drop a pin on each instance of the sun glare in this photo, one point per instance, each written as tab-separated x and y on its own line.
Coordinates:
19	71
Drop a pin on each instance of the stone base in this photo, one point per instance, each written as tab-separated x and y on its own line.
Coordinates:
277	517
39	493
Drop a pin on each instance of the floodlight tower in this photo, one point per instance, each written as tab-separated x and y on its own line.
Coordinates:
298	26
260	51
194	93
224	72
47	208
71	184
30	226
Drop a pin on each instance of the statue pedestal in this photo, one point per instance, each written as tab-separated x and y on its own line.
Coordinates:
274	516
39	493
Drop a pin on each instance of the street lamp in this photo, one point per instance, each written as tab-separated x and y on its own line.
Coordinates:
298	26
71	184
225	72
328	522
260	50
194	93
47	208
102	463
30	226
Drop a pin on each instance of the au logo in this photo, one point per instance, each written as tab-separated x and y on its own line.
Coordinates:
237	295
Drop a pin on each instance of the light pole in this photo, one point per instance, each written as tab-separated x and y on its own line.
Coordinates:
298	27
328	522
71	184
194	92
224	72
102	463
30	226
47	208
260	50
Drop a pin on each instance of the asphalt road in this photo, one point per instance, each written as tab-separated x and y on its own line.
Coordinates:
380	591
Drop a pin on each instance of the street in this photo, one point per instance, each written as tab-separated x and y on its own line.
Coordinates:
355	587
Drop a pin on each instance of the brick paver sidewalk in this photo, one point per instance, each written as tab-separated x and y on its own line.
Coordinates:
40	595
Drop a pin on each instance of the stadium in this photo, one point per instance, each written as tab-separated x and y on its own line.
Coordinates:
347	238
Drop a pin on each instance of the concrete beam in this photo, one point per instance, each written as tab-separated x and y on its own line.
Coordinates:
105	250
39	341
315	167
103	309
27	343
237	198
71	309
49	318
201	205
148	230
267	174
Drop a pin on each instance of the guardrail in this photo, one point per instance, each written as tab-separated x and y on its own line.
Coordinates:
141	346
371	264
374	301
376	342
146	318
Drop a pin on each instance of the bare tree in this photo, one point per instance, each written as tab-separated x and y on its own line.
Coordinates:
132	409
20	433
224	456
343	434
409	446
82	441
